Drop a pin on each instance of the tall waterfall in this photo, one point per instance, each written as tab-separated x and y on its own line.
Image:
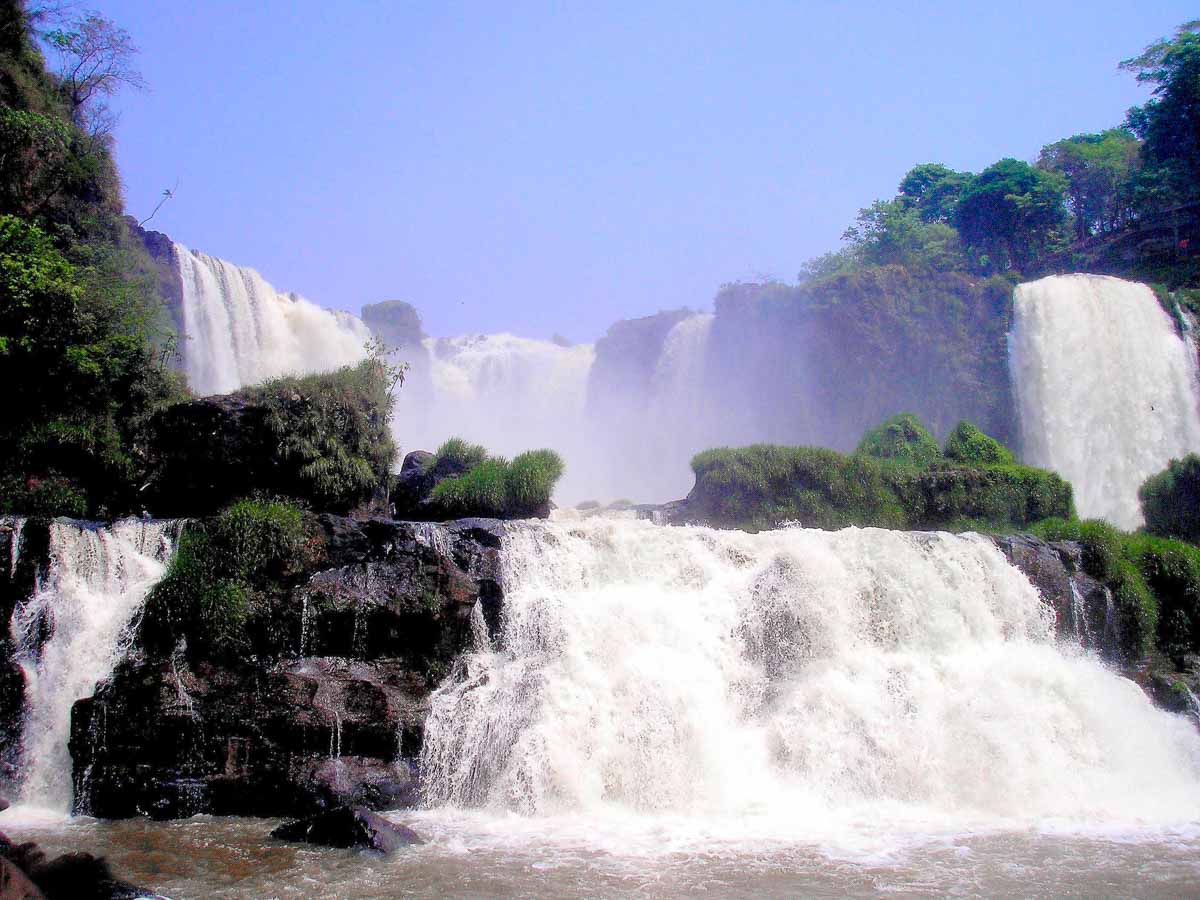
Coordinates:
240	330
796	677
1107	391
97	581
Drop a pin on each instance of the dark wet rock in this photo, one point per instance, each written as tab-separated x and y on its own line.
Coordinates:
208	453
349	826
336	717
1083	607
26	872
15	884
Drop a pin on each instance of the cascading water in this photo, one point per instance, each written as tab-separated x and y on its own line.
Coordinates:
95	586
240	330
1107	391
796	682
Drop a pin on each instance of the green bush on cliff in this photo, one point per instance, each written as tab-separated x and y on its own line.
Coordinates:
1171	500
967	444
764	485
458	455
330	433
221	569
901	439
897	479
495	486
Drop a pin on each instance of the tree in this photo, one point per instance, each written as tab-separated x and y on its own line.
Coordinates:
933	190
1012	214
889	232
1099	170
95	61
1169	123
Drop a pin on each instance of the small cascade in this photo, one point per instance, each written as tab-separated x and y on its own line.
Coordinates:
73	631
241	331
16	524
1107	391
797	675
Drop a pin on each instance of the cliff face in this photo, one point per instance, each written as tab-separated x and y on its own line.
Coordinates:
620	379
820	364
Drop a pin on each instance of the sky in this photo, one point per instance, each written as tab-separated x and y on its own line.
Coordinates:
551	167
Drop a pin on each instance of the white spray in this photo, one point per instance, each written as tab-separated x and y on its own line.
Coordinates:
1106	389
795	676
97	581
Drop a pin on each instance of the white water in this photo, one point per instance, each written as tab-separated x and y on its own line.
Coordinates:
241	331
508	393
95	586
1107	392
794	685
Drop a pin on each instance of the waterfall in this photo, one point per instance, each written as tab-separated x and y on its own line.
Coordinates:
1107	391
508	393
241	331
797	675
74	630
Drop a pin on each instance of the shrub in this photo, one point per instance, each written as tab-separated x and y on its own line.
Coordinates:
456	456
496	487
967	444
1171	500
1002	495
330	436
764	485
901	439
222	569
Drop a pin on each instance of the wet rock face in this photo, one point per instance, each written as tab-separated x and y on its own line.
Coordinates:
349	827
337	720
1083	606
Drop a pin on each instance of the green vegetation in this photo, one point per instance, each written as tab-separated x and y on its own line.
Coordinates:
1171	500
331	443
480	485
82	330
1155	584
898	479
901	439
967	444
223	570
1139	180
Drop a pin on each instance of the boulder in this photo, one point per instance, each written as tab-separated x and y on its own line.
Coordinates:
349	826
328	710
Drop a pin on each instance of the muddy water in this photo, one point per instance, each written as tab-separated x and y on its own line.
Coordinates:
476	856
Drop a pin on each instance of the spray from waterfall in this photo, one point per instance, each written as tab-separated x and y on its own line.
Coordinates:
1107	391
73	631
239	330
797	675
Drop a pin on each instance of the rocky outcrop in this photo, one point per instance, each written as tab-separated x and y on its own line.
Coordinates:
625	361
1083	607
27	874
336	720
349	826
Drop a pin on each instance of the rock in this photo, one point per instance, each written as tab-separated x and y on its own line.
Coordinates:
349	826
1083	607
15	884
327	708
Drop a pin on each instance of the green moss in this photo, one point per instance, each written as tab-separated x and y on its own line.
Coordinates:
967	444
223	570
901	439
1171	500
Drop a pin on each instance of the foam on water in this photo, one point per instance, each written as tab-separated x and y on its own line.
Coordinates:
791	685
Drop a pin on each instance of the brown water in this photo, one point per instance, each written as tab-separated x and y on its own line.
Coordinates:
508	856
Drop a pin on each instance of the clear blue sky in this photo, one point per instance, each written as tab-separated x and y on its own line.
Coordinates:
547	167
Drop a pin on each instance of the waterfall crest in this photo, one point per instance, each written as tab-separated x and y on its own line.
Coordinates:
241	331
1107	392
796	673
73	631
